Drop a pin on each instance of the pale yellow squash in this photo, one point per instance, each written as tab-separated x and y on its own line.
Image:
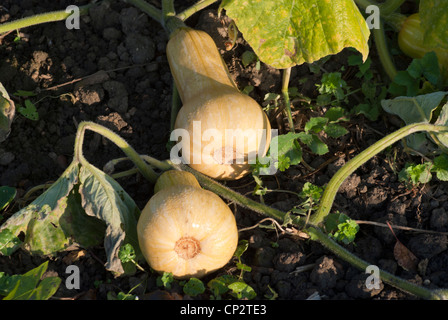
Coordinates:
227	129
185	229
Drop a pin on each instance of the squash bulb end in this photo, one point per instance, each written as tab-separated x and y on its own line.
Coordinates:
187	247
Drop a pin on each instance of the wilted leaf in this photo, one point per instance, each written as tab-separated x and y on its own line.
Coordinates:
40	208
104	199
7	112
287	33
84	206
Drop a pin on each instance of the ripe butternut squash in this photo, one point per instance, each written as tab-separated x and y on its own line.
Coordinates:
184	229
226	129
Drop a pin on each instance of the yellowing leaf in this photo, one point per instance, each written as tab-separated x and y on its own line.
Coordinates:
284	33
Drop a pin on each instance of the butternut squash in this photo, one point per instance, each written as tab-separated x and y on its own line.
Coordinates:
185	229
226	129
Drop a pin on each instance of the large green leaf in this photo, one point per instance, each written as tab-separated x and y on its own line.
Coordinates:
84	206
284	33
36	213
414	109
29	286
434	21
7	112
422	108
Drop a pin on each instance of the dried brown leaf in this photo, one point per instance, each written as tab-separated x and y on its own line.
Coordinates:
405	258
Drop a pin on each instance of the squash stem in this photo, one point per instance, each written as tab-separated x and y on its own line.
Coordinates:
387	11
390	6
198	6
40	18
231	195
383	51
146	170
332	188
175	105
167	10
285	87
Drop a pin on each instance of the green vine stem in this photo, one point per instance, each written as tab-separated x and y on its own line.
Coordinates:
149	9
383	51
332	188
285	86
386	277
146	170
198	6
168	9
39	19
231	195
394	19
390	6
176	104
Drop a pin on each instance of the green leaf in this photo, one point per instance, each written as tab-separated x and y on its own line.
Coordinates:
422	108
39	209
24	93
442	120
7	112
332	84
219	285
414	109
440	166
314	143
405	80
316	124
311	191
244	267
416	173
8	242
83	206
165	280
127	253
248	57
341	227
434	22
242	290
194	287
104	199
242	247
427	66
286	33
7	194
29	111
334	130
283	163
335	114
30	286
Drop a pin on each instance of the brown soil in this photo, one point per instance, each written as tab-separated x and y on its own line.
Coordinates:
133	98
